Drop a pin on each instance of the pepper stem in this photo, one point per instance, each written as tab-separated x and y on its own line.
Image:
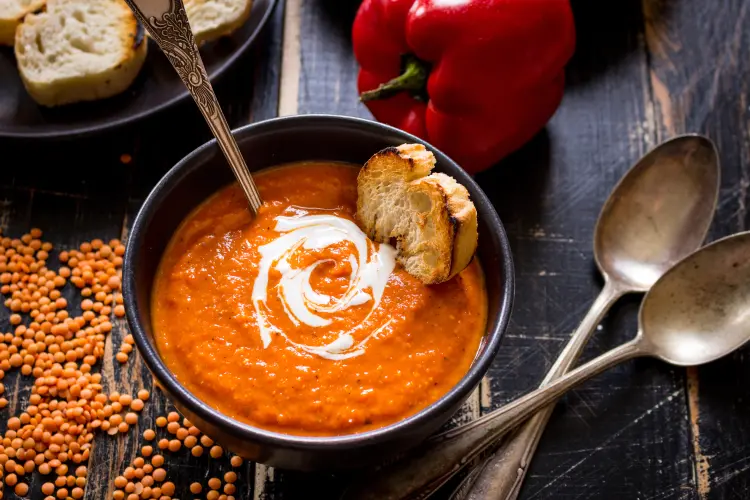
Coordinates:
413	80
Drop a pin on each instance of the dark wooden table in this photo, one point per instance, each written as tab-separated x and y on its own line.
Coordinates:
643	72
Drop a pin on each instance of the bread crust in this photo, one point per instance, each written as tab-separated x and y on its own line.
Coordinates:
429	216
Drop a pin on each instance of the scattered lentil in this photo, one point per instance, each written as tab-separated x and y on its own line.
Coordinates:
160	474
66	405
168	488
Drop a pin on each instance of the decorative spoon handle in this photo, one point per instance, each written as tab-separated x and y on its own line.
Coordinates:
167	23
430	464
503	472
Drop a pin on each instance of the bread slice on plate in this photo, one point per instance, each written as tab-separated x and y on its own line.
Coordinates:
12	13
212	19
79	50
428	216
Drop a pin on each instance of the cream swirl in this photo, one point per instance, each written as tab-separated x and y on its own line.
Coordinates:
370	269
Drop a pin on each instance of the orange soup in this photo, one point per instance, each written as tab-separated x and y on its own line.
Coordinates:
295	322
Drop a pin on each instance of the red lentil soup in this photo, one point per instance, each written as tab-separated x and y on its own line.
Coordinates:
295	322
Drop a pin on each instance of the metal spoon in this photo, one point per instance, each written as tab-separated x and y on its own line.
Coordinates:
697	312
167	23
658	213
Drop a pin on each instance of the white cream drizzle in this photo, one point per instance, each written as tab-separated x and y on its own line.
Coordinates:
370	269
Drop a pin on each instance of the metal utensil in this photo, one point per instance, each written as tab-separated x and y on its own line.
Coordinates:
167	23
658	213
697	312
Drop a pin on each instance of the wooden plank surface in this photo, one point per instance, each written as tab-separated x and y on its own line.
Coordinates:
642	73
701	81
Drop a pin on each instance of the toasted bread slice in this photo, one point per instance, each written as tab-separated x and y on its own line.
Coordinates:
79	50
429	216
12	13
212	19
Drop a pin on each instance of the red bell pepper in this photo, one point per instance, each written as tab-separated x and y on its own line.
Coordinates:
475	78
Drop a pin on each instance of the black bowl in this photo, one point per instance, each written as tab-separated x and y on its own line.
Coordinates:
266	144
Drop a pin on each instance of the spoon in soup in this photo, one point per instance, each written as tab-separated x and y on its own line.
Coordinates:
697	312
658	213
167	23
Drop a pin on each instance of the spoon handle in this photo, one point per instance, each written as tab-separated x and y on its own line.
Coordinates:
502	473
430	464
167	23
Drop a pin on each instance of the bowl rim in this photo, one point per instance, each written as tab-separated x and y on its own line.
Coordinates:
245	431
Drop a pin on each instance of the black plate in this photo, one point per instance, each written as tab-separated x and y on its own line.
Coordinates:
157	87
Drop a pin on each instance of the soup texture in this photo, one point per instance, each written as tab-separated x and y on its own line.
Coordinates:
295	322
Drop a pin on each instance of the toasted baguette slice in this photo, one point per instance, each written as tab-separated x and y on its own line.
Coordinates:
12	13
430	216
212	19
79	50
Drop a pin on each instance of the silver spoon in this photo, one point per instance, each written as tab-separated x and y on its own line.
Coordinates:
167	23
658	213
697	312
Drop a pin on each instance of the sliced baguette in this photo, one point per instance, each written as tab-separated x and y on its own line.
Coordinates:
12	13
79	50
212	19
428	215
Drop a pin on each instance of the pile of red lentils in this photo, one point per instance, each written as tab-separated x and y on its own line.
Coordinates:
144	479
66	408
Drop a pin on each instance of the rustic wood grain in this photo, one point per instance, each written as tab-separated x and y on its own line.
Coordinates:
701	81
643	72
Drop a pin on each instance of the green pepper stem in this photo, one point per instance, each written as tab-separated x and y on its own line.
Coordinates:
412	80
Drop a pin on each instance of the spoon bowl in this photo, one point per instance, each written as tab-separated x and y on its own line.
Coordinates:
658	212
700	310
